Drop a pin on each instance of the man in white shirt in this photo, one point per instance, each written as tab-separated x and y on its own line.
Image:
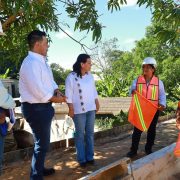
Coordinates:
37	92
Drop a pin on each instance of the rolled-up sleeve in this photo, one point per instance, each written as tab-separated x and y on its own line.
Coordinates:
69	89
133	87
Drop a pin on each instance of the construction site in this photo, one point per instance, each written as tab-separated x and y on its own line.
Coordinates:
111	147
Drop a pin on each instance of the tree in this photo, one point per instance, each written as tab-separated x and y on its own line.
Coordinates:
21	16
18	19
123	68
106	59
59	73
29	14
171	78
166	15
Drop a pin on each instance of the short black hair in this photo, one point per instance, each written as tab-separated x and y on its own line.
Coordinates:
82	58
35	36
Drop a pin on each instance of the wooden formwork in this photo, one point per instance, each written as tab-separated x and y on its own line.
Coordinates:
160	165
114	170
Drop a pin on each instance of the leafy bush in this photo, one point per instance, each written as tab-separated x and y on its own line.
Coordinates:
62	88
109	121
170	107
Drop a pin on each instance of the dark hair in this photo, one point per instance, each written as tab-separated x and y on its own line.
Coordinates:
152	66
82	58
35	36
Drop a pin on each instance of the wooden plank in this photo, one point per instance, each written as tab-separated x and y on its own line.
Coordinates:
114	170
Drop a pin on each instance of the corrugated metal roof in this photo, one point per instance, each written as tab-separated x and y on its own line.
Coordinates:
109	105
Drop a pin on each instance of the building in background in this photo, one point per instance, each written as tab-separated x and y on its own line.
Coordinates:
12	86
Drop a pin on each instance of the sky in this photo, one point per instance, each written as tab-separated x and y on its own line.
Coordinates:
127	25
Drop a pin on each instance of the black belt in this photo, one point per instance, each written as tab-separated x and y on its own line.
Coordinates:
38	104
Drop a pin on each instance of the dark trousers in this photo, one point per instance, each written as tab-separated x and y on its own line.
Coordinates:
151	133
39	117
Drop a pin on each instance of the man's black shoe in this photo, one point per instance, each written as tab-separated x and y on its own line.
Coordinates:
131	154
83	165
48	171
92	162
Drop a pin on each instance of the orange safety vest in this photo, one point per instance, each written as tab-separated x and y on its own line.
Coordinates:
177	147
150	91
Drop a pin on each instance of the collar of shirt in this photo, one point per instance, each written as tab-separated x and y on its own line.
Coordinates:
37	56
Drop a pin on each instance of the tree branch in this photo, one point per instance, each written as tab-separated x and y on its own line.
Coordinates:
83	46
11	19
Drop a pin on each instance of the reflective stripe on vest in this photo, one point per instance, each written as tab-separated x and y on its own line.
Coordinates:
150	91
140	112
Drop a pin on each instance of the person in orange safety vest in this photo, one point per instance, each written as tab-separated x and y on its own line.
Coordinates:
178	116
149	86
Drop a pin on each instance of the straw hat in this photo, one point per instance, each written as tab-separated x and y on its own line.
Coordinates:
1	30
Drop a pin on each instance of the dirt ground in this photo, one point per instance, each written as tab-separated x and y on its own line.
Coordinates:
107	150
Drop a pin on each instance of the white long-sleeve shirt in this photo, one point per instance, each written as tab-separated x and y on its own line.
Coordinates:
81	92
36	82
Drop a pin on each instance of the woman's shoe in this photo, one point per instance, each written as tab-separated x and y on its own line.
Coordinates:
83	165
92	162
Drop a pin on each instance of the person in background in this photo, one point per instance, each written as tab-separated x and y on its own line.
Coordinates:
37	92
178	116
82	99
6	105
152	88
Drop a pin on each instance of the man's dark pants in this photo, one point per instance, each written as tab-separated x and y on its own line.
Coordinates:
39	117
151	133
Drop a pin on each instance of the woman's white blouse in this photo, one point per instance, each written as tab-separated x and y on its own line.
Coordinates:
81	92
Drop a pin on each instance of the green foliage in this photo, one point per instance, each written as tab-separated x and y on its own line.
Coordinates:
18	19
86	17
22	16
59	73
171	106
166	16
123	67
109	121
4	76
115	4
113	78
170	76
62	88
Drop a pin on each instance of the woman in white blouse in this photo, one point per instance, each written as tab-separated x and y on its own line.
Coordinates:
82	99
